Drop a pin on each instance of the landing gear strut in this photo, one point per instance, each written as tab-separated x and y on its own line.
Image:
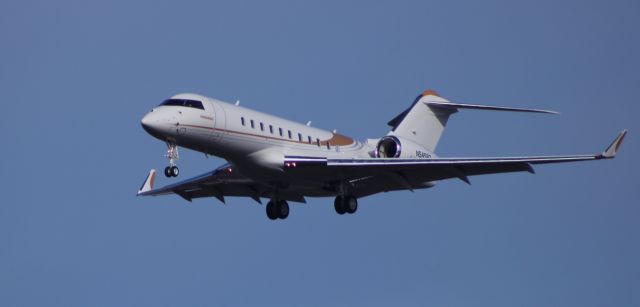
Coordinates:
172	154
346	204
277	209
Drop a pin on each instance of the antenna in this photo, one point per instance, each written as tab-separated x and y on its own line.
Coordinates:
237	102
308	123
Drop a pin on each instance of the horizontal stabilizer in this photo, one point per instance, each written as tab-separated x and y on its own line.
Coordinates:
424	121
451	105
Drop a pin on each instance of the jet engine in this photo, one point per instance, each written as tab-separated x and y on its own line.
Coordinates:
391	146
388	147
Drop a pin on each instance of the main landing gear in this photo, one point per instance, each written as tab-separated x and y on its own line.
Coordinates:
171	171
277	209
172	154
346	204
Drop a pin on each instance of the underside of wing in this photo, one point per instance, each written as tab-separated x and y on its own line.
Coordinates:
221	182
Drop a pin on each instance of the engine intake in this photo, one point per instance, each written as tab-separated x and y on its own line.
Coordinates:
388	147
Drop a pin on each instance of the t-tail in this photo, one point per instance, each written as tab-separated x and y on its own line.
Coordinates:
424	121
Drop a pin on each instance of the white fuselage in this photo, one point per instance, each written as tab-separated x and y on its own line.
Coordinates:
255	142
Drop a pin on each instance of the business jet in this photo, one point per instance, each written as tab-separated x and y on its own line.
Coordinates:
285	161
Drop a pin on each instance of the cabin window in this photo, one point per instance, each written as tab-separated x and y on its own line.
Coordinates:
289	132
261	127
271	129
309	138
299	137
280	130
242	120
328	145
318	142
252	124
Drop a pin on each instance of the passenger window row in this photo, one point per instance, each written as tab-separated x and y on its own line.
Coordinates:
281	132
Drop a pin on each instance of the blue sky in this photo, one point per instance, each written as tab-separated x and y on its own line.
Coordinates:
76	77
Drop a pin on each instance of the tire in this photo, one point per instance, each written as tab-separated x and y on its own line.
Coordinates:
175	171
338	204
350	204
283	209
271	212
167	171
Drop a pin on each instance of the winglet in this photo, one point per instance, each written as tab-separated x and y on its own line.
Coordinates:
148	183
612	150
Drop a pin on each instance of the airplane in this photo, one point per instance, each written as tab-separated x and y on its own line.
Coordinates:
285	161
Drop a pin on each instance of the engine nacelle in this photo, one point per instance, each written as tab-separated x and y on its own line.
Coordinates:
393	147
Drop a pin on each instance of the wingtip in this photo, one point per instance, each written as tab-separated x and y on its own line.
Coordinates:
148	183
613	149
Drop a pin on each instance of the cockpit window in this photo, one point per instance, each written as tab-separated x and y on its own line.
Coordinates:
183	103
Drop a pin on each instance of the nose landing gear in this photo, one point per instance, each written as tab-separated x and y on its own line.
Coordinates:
172	154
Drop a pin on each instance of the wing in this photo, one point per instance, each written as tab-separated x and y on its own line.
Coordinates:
411	173
221	182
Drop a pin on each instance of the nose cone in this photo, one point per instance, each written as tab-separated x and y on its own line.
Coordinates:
147	122
151	123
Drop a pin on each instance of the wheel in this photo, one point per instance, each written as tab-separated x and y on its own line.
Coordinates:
167	171
350	204
338	204
174	171
271	212
283	209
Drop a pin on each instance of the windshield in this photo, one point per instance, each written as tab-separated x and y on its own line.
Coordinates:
183	103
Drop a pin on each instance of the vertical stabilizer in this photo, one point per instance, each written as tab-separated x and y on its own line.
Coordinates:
424	122
421	123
